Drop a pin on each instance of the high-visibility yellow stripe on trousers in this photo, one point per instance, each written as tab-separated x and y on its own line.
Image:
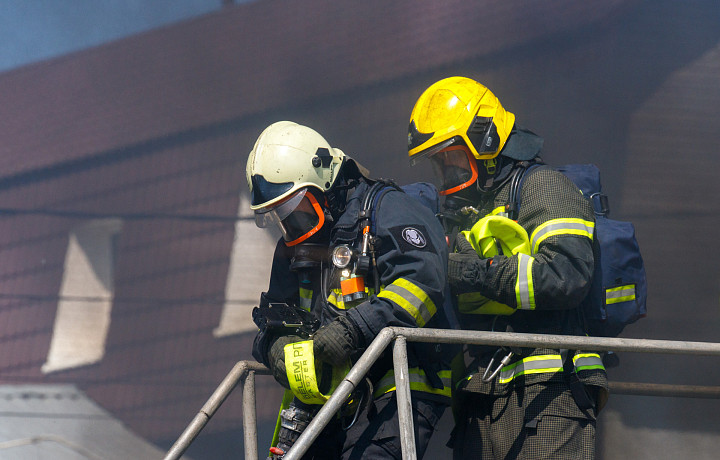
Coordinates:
544	364
418	382
410	298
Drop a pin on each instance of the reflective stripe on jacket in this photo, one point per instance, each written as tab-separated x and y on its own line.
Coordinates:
418	382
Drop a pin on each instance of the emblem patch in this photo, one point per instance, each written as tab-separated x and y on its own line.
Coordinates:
414	237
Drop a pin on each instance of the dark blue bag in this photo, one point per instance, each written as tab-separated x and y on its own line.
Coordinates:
619	289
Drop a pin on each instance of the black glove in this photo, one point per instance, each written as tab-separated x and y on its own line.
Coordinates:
466	270
335	342
276	357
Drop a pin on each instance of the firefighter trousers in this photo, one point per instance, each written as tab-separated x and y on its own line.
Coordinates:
530	422
376	434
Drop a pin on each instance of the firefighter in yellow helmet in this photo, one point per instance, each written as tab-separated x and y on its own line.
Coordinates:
519	402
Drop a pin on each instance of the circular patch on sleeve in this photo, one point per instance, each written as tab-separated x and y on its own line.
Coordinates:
414	237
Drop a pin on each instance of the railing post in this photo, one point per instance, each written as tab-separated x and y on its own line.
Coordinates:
404	403
249	411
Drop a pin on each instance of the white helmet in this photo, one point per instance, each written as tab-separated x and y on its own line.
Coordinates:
286	157
288	161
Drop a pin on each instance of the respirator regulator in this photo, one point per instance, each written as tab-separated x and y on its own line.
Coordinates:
354	263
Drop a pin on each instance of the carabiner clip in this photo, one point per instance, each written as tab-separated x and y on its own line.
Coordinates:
503	362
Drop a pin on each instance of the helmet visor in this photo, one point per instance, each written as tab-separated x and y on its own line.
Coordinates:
456	168
299	217
430	151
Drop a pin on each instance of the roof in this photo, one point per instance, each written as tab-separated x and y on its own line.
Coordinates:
60	422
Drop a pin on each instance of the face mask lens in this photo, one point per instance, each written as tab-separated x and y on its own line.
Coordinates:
454	168
275	215
299	222
299	217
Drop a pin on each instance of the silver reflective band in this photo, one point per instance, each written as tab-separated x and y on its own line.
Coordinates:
544	364
305	300
525	299
619	294
410	298
563	227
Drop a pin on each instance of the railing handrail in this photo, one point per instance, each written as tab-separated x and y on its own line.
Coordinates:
557	341
243	369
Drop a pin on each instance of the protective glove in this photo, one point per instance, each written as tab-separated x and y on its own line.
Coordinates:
335	342
276	357
466	270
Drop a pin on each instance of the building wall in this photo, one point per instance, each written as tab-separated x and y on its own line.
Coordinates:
154	130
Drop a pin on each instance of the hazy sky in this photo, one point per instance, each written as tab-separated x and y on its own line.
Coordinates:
35	30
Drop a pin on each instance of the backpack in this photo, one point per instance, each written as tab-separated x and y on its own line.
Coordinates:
619	289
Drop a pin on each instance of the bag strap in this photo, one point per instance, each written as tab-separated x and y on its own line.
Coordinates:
577	388
516	183
367	228
372	200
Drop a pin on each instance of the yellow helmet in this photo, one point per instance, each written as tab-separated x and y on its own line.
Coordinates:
458	110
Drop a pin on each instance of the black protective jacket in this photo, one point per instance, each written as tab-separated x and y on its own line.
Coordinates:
546	287
411	268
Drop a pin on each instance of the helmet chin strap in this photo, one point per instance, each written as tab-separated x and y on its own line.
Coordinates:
492	174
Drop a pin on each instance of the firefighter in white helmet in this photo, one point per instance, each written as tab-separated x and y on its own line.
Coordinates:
515	402
356	255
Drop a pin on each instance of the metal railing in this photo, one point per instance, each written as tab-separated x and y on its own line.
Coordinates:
246	370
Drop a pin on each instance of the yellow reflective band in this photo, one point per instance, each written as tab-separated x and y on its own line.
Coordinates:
531	365
335	299
547	364
300	370
619	294
524	290
561	227
585	361
418	382
499	211
410	298
305	298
